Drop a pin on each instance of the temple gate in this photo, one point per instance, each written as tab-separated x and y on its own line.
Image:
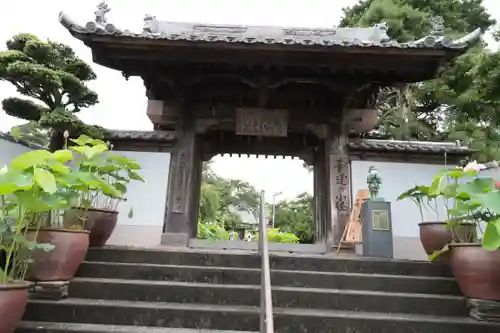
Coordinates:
271	91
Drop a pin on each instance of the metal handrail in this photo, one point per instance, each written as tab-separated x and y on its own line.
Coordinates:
266	303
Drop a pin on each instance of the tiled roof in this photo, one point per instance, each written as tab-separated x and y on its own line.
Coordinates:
375	36
11	138
422	147
157	136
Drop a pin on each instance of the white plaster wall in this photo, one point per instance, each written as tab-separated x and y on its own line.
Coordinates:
396	179
9	150
146	199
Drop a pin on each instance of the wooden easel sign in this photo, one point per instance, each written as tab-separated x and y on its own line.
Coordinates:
352	231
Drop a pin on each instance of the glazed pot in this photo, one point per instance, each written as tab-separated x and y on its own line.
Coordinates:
62	262
476	270
99	222
13	299
434	236
103	225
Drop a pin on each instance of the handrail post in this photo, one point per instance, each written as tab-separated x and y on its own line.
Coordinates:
266	306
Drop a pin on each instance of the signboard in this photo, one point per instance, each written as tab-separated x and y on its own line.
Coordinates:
261	122
380	220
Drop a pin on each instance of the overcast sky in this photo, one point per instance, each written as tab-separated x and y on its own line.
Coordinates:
123	103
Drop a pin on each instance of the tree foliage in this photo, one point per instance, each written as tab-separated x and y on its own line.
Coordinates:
296	216
218	194
53	80
463	103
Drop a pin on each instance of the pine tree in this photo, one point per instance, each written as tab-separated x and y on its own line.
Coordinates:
54	80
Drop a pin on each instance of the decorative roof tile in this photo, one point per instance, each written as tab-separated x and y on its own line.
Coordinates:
375	36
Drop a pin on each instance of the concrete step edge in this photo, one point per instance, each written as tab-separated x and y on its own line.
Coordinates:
356	292
250	310
281	271
98	328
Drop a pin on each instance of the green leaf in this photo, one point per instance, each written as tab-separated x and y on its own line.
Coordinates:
63	156
437	186
46	180
120	187
30	159
490	201
491	237
59	167
82	140
476	186
135	176
45	246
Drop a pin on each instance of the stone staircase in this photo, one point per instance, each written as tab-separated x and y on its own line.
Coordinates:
149	291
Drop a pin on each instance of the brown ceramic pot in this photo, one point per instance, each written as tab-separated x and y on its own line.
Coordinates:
477	270
99	222
13	299
103	224
434	236
62	262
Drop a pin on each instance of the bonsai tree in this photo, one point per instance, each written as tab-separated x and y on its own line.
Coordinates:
53	78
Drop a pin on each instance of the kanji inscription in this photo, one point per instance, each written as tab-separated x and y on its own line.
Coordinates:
341	172
261	122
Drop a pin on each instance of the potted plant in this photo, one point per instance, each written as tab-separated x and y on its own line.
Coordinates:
28	191
98	206
434	235
476	265
56	268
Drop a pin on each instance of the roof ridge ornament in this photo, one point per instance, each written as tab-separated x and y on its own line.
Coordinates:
100	14
382	28
437	24
150	24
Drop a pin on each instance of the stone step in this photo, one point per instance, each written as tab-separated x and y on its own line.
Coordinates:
46	327
237	275
243	318
286	297
277	261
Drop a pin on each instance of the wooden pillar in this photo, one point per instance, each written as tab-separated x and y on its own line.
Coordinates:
321	193
339	181
184	186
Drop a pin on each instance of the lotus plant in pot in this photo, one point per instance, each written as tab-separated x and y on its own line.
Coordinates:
476	265
28	192
52	271
99	204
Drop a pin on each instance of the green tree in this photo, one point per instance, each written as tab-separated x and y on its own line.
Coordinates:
296	216
53	79
463	103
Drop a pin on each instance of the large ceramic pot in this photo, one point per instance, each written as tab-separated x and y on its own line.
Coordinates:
13	299
62	262
434	236
99	222
477	270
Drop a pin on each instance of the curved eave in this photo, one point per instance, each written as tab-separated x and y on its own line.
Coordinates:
92	32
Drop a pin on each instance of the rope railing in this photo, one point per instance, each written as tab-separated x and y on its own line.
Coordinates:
266	304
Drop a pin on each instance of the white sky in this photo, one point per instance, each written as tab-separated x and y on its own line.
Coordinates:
123	103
